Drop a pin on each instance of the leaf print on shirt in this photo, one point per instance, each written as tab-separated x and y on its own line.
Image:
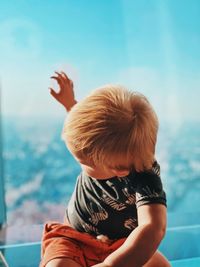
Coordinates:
156	169
146	192
90	228
113	203
130	223
130	196
97	213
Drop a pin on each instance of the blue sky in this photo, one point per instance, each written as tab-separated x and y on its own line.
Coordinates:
151	46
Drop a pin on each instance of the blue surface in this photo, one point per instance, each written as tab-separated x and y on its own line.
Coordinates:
194	262
24	255
181	242
177	219
182	238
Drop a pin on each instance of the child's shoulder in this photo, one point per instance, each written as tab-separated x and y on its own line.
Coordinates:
151	176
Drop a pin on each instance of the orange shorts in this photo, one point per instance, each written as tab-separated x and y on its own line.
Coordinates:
62	241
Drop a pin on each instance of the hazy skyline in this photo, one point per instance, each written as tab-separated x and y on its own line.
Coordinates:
151	46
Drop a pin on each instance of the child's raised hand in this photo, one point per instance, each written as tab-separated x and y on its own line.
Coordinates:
66	93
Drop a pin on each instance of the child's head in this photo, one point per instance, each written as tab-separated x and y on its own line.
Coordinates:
113	127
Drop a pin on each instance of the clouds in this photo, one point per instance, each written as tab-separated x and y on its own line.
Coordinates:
20	39
175	99
141	52
21	65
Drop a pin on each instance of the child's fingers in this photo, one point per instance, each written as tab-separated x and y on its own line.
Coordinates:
58	73
53	93
62	78
61	75
71	83
58	79
65	75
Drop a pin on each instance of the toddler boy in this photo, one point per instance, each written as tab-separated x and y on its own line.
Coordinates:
116	216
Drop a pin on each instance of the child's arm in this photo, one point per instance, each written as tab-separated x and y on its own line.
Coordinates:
66	93
143	241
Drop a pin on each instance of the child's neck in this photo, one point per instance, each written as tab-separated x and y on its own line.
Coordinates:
96	173
103	174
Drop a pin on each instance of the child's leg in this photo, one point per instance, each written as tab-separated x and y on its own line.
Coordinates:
62	262
62	247
157	260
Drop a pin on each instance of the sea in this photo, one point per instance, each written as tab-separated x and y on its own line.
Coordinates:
40	173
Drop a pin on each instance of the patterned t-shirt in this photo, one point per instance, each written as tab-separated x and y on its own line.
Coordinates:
109	206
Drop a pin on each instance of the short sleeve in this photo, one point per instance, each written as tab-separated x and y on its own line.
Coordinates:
149	189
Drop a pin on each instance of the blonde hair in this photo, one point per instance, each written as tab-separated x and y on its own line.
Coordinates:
113	127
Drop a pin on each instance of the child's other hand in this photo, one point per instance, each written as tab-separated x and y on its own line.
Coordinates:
104	239
66	93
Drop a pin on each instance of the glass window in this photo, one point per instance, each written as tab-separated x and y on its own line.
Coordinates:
153	50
